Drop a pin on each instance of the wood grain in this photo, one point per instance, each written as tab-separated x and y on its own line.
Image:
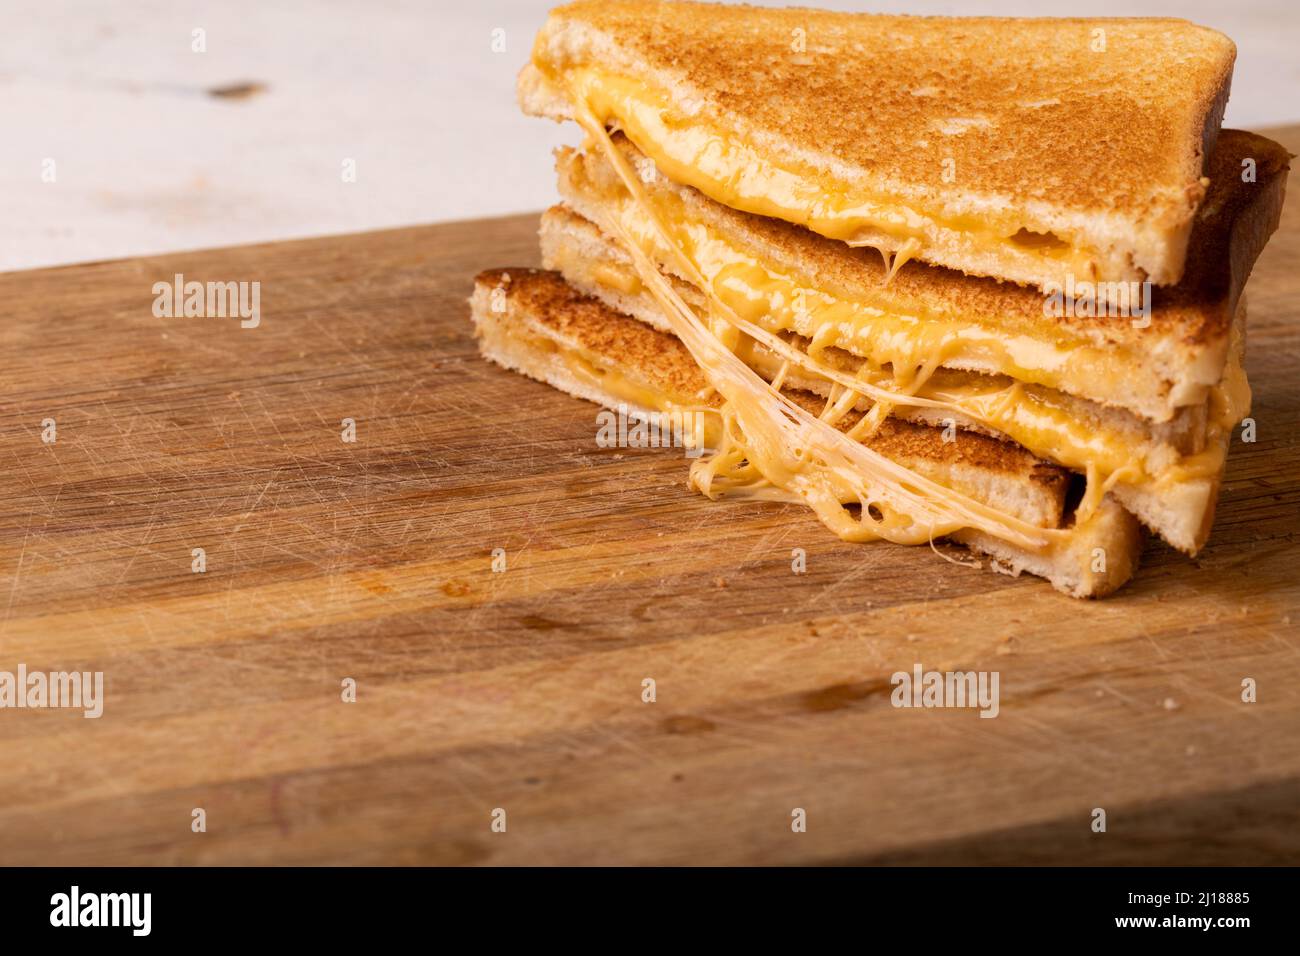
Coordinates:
522	690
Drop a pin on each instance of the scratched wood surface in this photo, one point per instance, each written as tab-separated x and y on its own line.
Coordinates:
521	690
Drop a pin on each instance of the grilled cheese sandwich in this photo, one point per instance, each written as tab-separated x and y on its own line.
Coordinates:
701	207
774	450
1043	421
731	171
1171	486
533	322
825	138
1155	368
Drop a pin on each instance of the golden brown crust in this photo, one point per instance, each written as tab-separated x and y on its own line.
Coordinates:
575	246
1007	479
1181	513
620	342
1184	346
553	305
1231	229
1112	535
1029	115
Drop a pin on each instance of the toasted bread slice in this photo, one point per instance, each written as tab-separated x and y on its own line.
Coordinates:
1032	150
533	322
1161	371
1175	501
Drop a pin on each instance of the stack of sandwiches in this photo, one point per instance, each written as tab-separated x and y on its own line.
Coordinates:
973	279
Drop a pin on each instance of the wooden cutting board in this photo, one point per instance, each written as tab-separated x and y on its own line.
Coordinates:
522	691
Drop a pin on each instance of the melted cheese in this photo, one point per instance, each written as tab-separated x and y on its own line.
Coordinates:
699	422
779	304
642	397
912	347
1229	404
774	449
616	279
725	168
868	327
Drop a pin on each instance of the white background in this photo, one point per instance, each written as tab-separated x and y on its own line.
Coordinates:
147	161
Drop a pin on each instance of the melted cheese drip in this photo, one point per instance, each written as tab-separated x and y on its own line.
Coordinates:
774	449
737	174
769	302
1229	404
782	302
771	448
